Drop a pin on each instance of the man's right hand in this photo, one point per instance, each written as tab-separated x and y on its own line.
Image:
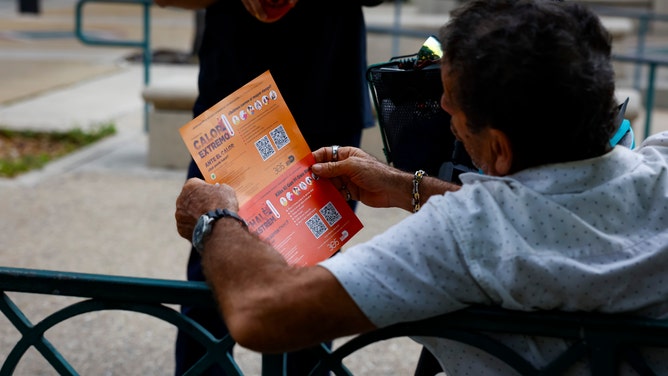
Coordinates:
369	180
373	182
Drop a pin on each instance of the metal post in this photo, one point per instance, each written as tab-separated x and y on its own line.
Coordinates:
649	103
397	27
148	57
643	27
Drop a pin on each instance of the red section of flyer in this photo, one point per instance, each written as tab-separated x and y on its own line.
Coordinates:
250	141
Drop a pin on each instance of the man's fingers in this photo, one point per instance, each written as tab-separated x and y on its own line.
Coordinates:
184	228
333	153
326	169
321	155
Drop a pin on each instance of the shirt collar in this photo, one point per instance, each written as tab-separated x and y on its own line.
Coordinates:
568	177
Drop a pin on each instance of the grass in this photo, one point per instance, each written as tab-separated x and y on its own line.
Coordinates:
23	151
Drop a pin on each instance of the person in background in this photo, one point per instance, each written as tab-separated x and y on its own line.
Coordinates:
558	218
323	83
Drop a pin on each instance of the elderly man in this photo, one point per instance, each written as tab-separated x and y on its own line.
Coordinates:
557	218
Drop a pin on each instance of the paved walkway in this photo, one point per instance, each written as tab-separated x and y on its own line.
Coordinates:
102	210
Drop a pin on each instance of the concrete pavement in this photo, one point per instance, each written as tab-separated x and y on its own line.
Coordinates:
102	209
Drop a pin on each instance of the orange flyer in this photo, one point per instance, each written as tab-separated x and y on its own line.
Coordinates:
250	141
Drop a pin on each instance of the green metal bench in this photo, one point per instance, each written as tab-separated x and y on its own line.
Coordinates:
604	339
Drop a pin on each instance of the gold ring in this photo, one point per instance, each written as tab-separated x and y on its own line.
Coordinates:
335	153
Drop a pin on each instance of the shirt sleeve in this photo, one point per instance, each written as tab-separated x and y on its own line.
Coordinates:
399	275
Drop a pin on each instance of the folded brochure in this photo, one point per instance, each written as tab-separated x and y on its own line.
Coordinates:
250	141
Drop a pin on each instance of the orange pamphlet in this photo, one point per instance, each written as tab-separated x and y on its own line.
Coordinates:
250	141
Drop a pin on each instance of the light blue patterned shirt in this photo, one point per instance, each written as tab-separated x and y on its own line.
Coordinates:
588	235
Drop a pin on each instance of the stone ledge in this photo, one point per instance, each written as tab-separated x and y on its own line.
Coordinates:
175	94
171	100
166	149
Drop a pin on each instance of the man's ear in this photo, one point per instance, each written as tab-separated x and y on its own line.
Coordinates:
502	151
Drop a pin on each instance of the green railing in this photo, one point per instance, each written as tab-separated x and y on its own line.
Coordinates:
641	55
653	62
144	43
605	340
102	293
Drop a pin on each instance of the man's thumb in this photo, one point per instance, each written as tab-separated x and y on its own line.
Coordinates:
322	169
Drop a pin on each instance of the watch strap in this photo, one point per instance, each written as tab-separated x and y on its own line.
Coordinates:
217	214
205	224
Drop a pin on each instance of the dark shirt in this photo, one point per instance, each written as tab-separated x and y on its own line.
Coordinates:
322	81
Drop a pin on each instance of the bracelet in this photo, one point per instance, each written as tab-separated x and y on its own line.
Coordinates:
417	178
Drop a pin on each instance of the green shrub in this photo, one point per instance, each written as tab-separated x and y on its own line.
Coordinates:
23	151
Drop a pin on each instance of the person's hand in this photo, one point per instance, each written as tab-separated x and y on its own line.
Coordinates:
196	198
366	178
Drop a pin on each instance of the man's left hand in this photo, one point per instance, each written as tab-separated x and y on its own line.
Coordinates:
198	197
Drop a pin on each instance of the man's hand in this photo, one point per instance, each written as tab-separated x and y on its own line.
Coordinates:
371	181
196	198
366	178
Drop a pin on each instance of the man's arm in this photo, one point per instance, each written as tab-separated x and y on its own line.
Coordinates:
267	305
373	182
185	4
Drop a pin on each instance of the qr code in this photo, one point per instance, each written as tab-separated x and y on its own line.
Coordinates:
330	213
264	147
316	225
280	137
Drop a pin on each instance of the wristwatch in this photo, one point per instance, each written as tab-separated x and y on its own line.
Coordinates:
205	225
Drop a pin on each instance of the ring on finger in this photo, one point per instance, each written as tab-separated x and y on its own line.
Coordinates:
335	153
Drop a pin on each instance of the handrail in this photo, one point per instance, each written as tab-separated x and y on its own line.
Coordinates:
144	43
105	292
640	56
110	287
644	17
653	62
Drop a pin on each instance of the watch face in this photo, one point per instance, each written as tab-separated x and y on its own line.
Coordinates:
205	224
202	228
